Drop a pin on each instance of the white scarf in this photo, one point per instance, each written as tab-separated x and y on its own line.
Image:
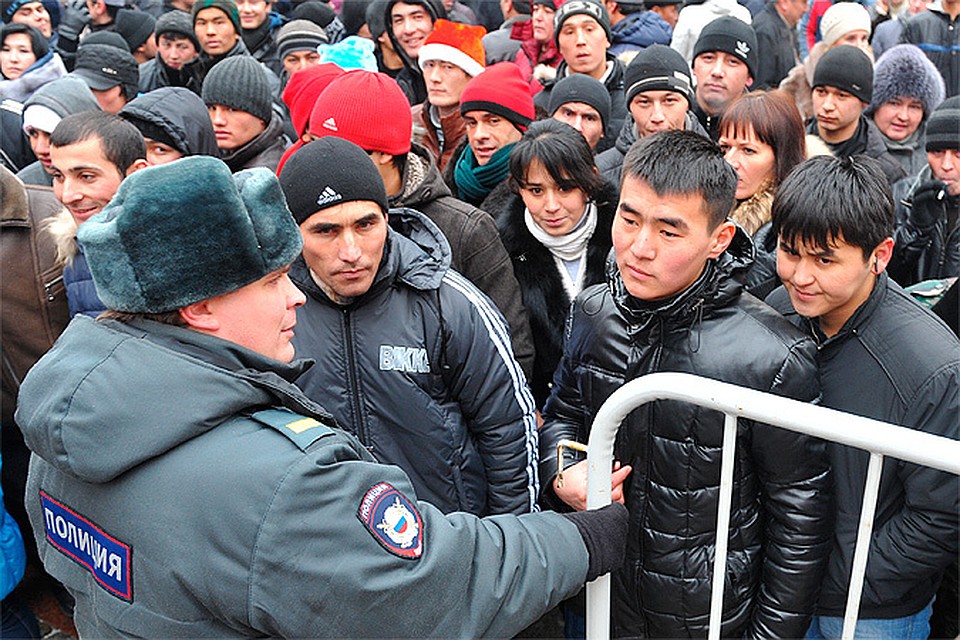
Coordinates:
570	247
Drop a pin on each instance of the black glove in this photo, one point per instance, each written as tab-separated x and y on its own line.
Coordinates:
72	22
604	533
929	204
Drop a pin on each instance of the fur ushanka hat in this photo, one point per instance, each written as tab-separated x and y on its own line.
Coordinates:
182	232
904	71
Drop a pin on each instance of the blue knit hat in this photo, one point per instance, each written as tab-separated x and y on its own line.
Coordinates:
182	232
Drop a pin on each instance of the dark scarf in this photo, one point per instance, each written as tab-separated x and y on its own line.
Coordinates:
474	182
857	143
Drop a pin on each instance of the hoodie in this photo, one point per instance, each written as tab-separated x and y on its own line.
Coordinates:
179	113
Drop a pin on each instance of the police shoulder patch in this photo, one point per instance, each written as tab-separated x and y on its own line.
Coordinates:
393	521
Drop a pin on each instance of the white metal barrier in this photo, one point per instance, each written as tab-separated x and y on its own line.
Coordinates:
879	438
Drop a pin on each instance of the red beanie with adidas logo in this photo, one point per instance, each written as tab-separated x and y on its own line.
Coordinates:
369	109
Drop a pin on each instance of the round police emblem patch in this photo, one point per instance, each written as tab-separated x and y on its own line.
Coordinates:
393	521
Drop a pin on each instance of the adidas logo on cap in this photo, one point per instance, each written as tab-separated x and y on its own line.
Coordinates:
743	49
328	195
330	124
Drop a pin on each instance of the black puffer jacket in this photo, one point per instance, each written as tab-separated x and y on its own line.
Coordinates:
544	295
780	524
419	368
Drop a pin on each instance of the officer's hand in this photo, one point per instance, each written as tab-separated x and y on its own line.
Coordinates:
929	204
574	489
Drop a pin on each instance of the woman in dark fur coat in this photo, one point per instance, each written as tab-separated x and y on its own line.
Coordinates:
554	215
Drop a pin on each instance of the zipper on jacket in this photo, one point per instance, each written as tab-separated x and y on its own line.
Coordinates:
361	431
48	287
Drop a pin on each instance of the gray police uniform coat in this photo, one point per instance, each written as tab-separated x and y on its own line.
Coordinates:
181	486
420	369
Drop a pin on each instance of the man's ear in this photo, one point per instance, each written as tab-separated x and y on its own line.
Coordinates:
881	256
380	158
139	163
722	237
749	80
200	317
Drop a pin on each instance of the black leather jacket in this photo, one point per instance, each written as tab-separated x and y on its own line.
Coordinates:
780	524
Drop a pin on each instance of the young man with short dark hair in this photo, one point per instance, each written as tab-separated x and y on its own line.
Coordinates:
90	155
881	356
674	303
725	64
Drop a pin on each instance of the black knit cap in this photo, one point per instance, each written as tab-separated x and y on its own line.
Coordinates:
658	68
135	26
110	38
943	127
239	82
846	68
580	87
229	8
327	172
582	7
176	23
729	35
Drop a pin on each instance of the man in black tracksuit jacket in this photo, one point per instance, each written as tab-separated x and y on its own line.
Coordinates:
411	357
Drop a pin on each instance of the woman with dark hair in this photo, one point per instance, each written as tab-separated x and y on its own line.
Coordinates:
554	216
26	61
762	137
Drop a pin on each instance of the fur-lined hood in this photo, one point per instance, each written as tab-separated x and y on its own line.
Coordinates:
63	228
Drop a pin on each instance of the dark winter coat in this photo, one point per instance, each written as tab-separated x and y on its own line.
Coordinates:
499	46
924	253
638	31
610	162
867	140
186	121
776	48
262	42
618	102
155	74
263	151
419	369
476	250
780	521
939	37
892	361
15	153
544	295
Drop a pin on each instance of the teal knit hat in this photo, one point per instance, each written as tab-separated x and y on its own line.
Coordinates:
182	232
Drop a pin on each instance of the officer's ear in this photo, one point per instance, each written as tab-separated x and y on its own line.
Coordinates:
199	317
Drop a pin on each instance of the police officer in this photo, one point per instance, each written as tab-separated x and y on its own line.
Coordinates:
182	486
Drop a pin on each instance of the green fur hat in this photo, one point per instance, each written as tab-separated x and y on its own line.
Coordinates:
182	232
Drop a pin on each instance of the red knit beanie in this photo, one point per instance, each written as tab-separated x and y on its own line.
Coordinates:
304	88
500	89
369	109
456	43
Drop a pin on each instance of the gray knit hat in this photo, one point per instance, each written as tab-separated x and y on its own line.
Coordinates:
299	35
578	87
847	68
904	71
176	23
182	232
943	127
239	82
135	26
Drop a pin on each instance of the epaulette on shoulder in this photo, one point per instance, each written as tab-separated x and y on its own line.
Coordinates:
12	106
300	430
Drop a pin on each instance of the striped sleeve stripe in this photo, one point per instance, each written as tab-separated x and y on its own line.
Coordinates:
500	336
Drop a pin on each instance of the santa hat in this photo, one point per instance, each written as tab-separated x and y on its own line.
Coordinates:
456	43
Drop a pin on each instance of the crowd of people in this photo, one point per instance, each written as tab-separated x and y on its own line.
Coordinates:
299	299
